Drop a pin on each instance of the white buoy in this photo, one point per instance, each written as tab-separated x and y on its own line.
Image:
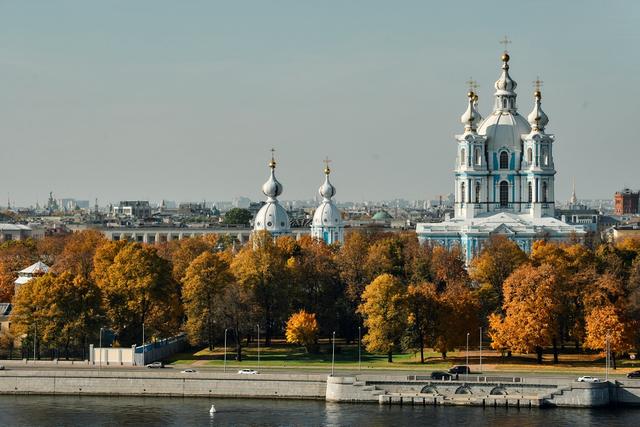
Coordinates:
212	410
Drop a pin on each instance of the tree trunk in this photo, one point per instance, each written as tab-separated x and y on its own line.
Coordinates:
390	356
613	358
555	352
539	354
443	354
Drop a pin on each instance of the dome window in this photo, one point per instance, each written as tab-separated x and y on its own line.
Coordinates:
282	224
269	224
504	160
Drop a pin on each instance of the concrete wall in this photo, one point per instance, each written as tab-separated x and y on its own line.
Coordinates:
626	392
162	383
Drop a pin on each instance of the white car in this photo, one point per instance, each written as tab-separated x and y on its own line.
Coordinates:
588	379
247	371
189	371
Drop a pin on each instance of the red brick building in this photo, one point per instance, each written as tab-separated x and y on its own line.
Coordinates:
626	202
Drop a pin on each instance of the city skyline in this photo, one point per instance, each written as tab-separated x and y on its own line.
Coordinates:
154	100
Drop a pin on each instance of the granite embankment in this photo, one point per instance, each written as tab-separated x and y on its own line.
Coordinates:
162	383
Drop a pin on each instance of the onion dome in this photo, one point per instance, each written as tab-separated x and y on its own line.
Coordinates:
475	104
327	190
537	118
471	117
505	83
272	188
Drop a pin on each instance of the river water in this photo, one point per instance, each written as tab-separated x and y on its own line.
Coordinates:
120	411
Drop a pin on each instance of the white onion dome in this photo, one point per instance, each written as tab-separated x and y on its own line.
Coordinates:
272	188
471	117
327	190
273	218
537	118
475	104
505	83
327	214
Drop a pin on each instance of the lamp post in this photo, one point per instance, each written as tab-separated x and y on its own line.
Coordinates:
359	349
100	347
143	337
467	351
607	359
35	338
333	352
258	346
225	349
481	349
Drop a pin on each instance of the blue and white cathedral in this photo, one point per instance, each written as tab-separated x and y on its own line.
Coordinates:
504	177
327	222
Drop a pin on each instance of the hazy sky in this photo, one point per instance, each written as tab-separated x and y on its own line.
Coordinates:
182	100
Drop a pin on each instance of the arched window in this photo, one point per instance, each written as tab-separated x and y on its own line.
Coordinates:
478	157
544	192
478	192
504	160
529	155
462	192
463	157
545	157
530	198
504	194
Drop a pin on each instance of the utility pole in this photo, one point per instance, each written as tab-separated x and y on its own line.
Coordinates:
467	351
225	349
35	338
480	349
333	352
359	349
258	346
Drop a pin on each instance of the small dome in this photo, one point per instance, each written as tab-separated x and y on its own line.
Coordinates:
381	216
272	188
327	190
537	118
505	84
471	117
327	215
273	218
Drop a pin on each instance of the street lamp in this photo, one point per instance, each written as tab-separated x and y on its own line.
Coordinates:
225	349
100	346
258	346
480	348
467	351
35	338
359	350
333	353
607	359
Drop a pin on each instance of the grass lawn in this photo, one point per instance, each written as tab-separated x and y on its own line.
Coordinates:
281	354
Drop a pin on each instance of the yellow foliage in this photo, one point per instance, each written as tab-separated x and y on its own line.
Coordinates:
302	328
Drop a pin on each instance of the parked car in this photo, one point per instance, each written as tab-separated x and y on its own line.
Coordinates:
633	374
1	367
588	379
460	369
247	371
155	365
188	371
441	375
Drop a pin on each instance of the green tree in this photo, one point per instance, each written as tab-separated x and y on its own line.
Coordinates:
237	216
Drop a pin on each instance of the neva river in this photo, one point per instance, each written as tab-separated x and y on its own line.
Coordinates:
118	411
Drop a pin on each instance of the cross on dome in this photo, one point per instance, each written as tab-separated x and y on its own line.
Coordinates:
505	41
326	166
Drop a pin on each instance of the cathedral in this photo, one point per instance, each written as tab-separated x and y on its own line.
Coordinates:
504	177
327	224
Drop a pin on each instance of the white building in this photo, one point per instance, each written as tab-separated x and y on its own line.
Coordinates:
272	217
31	272
504	177
327	222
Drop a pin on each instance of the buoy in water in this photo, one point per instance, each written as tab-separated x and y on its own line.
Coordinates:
212	410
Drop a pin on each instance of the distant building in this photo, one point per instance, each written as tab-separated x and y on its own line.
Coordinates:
134	209
18	232
626	202
29	273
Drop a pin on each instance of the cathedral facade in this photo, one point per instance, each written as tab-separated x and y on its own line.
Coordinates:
504	177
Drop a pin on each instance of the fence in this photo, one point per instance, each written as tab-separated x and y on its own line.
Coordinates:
137	355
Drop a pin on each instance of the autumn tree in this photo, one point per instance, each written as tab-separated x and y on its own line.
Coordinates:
65	308
137	289
384	313
78	253
203	286
302	328
261	266
605	324
15	255
424	310
496	261
531	309
457	317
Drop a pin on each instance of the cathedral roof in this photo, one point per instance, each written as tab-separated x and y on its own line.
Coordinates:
327	214
504	128
272	216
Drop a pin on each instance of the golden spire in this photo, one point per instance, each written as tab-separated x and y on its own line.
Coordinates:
326	166
272	163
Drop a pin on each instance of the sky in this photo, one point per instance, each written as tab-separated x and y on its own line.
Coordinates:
182	100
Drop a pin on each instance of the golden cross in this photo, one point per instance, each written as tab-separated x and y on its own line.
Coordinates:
505	41
537	83
272	163
326	165
473	85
